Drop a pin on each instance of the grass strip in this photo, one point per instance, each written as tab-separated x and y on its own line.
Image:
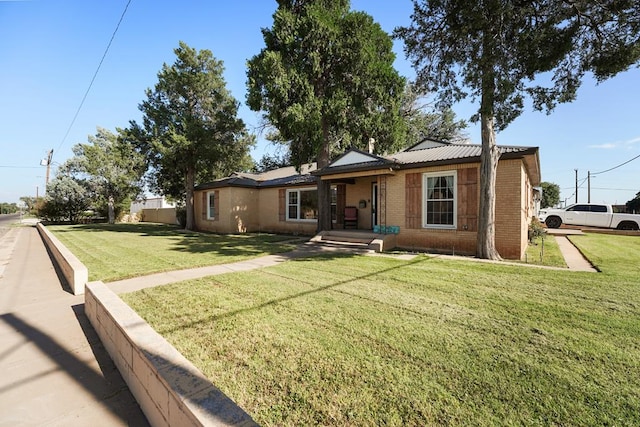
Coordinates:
349	340
119	251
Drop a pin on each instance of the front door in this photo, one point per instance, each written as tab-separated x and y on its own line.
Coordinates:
374	204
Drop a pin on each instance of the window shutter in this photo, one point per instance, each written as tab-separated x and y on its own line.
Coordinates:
205	205
216	205
468	199
282	194
413	200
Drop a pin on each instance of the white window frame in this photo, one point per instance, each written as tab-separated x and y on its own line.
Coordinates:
298	191
425	200
211	213
297	205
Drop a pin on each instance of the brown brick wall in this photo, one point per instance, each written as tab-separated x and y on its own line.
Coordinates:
248	210
510	222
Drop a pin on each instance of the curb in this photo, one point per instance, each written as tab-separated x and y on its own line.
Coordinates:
170	390
75	272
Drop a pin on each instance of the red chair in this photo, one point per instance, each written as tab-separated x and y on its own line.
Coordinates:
350	217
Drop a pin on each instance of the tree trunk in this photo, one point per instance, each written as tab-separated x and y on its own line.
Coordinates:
112	215
324	187
189	184
486	244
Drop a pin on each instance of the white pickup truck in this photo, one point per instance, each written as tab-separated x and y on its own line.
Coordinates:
590	215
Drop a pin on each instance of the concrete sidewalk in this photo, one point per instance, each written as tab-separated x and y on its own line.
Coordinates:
572	256
54	370
158	279
574	259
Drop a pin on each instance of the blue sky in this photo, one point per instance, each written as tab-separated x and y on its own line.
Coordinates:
50	49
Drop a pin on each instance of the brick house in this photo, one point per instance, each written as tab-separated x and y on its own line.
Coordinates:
426	196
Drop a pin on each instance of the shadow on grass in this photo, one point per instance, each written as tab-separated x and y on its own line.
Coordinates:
198	242
293	296
144	229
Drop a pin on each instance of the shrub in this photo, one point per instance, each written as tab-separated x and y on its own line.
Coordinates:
535	230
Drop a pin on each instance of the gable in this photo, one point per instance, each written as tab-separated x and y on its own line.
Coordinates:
354	157
426	143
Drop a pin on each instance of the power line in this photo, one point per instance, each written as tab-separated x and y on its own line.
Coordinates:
616	167
613	189
94	76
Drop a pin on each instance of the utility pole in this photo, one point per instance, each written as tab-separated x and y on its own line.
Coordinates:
47	162
576	185
589	187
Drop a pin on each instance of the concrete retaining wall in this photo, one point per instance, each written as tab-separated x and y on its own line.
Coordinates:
75	272
170	390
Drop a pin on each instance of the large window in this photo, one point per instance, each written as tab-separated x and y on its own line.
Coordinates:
439	200
211	205
302	204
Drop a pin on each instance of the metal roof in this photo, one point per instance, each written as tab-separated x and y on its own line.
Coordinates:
449	153
274	178
413	157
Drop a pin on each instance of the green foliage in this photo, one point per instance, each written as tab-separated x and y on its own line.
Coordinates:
66	199
494	50
326	80
550	195
272	161
191	132
8	208
29	203
424	121
458	46
111	168
181	215
535	230
633	205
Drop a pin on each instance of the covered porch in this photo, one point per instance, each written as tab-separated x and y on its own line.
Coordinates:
361	203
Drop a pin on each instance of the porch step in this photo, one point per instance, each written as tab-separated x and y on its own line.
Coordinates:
357	239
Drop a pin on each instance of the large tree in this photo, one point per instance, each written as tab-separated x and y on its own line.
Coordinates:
191	130
633	205
325	80
426	120
66	199
111	168
494	49
550	195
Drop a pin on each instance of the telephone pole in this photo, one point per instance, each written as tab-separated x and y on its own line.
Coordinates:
576	185
589	187
47	162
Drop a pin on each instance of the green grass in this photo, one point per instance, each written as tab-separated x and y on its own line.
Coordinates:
545	252
113	252
379	341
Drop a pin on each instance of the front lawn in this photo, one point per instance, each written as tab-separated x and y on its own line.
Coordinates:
120	251
357	340
545	251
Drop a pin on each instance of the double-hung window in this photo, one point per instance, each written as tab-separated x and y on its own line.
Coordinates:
211	205
440	203
302	204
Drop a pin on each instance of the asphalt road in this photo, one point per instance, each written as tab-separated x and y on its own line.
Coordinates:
6	221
